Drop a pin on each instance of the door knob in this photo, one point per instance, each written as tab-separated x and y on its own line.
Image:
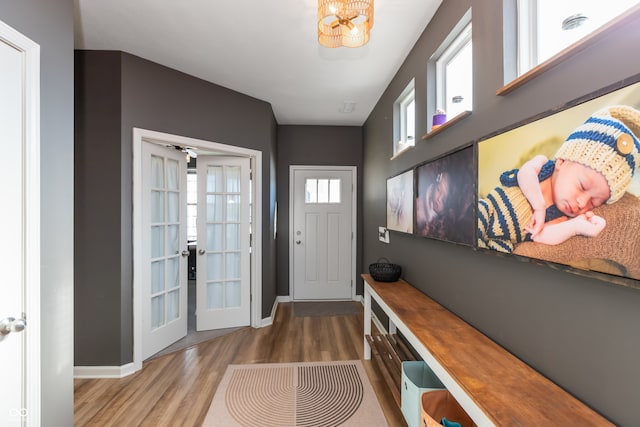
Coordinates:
201	251
298	242
10	324
185	253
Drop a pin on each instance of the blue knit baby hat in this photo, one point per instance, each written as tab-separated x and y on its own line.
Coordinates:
607	143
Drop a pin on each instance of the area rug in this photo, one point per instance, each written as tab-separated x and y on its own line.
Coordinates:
325	308
319	394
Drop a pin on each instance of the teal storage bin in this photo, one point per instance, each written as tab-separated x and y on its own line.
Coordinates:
417	377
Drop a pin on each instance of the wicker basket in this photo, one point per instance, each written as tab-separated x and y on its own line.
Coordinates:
385	271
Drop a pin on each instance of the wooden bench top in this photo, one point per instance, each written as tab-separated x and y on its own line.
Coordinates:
506	389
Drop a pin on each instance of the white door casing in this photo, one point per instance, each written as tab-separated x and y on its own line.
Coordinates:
20	229
144	135
322	232
223	291
164	262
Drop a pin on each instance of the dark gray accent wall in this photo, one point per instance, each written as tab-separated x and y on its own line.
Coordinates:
313	145
97	208
581	331
165	100
50	24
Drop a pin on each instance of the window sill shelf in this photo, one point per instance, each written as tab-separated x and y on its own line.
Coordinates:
570	51
447	125
400	153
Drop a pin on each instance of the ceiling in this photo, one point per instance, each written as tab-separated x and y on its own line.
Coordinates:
266	49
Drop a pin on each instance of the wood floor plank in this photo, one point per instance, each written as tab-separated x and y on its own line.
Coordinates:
177	389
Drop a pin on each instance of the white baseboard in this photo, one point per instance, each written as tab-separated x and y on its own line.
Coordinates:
269	320
103	371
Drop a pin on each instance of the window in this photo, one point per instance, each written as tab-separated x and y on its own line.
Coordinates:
454	74
404	115
546	27
322	190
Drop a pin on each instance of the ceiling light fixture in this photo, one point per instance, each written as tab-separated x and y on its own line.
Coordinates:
344	22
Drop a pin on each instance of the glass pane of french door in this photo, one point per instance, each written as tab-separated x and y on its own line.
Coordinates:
223	201
165	240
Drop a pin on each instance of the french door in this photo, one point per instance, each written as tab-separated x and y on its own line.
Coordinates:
223	296
220	301
164	264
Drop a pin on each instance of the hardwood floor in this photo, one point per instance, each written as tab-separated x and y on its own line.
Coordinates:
177	389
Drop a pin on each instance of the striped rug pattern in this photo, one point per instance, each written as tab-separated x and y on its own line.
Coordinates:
321	394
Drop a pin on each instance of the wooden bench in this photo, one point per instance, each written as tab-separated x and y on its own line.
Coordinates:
492	385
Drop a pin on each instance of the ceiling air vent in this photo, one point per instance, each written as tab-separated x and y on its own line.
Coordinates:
573	21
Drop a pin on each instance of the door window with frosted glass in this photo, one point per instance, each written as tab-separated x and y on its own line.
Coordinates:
322	190
165	241
223	187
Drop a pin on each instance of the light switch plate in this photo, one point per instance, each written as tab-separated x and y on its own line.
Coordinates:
383	234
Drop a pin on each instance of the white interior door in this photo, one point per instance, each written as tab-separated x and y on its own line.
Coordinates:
322	235
19	228
223	288
164	236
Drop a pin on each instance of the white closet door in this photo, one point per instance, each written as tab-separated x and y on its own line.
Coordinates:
20	356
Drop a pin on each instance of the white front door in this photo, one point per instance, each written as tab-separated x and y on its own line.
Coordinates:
19	228
322	237
223	288
165	252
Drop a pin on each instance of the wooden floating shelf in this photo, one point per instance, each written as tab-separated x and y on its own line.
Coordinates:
446	125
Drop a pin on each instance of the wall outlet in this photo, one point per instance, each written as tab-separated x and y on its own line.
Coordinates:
383	234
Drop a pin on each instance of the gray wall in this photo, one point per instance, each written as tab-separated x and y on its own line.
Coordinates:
50	24
313	145
580	331
98	155
149	96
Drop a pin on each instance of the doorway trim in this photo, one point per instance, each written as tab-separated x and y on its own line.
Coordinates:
354	216
255	156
